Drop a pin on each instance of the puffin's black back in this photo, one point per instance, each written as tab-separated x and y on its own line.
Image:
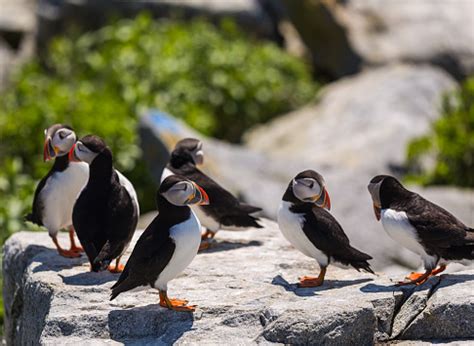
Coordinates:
440	232
104	215
326	234
155	247
223	206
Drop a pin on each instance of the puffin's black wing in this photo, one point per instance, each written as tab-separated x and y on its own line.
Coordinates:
223	207
121	221
323	230
150	256
439	230
36	214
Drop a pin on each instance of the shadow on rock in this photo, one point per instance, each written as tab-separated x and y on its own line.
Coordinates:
89	278
444	280
51	261
312	291
161	325
228	245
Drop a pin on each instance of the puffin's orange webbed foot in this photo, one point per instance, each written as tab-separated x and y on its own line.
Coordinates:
413	276
175	304
207	235
204	245
308	281
69	253
178	302
77	249
116	269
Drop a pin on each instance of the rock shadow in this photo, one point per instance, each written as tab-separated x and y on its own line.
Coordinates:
229	245
312	291
89	278
160	325
445	280
50	260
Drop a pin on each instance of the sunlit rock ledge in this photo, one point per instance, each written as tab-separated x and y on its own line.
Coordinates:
246	292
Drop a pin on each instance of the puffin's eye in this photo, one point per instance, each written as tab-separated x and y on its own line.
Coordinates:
311	185
62	135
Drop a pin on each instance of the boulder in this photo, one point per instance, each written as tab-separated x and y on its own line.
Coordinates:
17	27
359	123
360	128
246	292
56	15
343	36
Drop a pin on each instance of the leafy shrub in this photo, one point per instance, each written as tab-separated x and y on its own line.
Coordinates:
450	143
214	78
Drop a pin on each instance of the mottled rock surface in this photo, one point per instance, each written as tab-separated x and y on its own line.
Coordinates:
246	292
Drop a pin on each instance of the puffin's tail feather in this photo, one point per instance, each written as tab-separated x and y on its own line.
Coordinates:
247	208
125	285
30	217
460	252
241	220
362	265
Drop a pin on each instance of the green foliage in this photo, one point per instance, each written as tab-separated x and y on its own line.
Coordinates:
214	78
217	80
451	142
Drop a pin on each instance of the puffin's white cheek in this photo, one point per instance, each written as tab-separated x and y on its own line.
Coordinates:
199	157
64	145
302	192
85	156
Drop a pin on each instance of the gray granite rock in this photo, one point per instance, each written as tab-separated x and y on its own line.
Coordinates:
343	36
17	28
246	293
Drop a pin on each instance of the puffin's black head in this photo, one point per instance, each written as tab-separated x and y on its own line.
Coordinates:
58	141
188	150
309	187
384	190
180	191
87	148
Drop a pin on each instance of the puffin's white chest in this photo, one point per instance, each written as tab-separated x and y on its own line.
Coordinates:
291	226
210	223
398	227
187	238
130	189
60	193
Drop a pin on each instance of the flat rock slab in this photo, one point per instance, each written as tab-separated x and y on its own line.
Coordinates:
245	289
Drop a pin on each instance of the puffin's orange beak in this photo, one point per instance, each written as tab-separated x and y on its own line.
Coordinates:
71	156
205	197
324	201
377	210
327	200
48	150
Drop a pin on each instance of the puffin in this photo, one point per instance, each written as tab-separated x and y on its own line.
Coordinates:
225	211
168	245
305	222
421	226
57	192
106	212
